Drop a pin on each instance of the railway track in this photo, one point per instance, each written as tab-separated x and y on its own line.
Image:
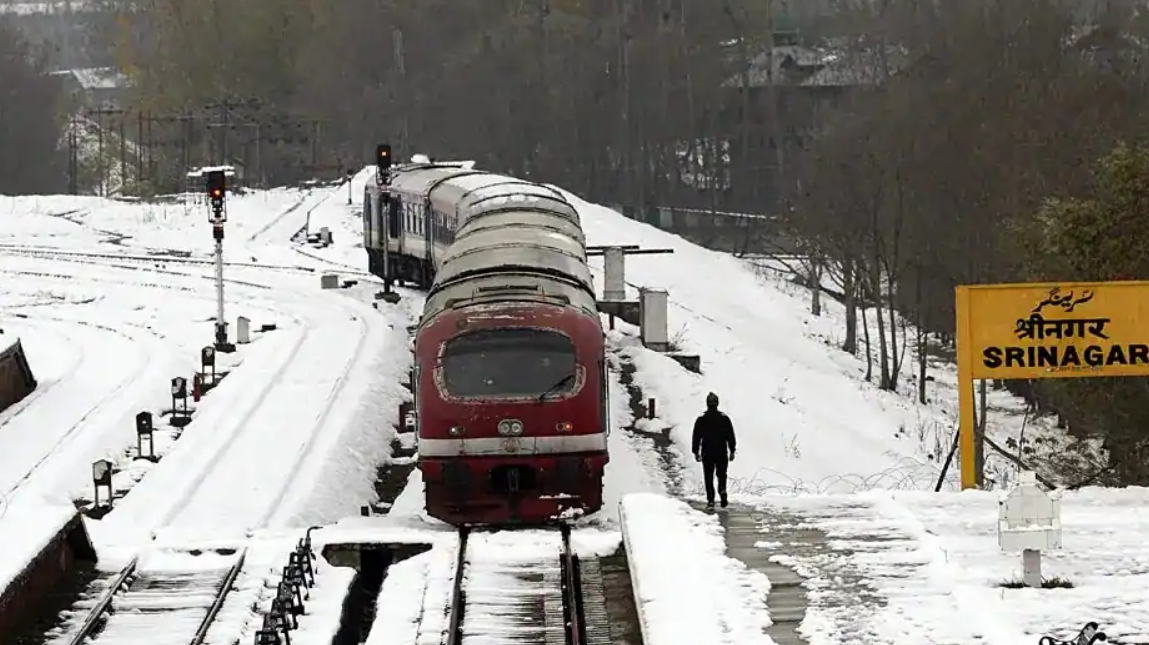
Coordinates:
170	602
520	592
157	260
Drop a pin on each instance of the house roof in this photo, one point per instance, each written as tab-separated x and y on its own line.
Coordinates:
97	78
34	8
823	66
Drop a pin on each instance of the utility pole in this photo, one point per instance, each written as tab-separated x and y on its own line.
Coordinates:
401	70
73	157
225	106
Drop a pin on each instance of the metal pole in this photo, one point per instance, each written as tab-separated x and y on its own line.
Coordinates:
220	321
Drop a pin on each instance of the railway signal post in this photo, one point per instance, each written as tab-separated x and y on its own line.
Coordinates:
383	163
216	183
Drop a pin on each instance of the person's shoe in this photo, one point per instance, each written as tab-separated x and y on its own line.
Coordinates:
710	505
723	502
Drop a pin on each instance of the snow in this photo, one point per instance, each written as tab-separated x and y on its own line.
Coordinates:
686	589
508	577
595	543
337	485
112	368
252	592
1103	556
632	468
110	309
412	605
399	606
747	328
291	415
388	529
409	503
25	539
161	496
323	608
31	8
897	568
806	418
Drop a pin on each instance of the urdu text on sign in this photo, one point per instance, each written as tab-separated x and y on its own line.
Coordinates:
1058	330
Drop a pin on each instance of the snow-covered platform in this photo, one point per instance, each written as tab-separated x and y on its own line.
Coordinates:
37	553
883	568
16	379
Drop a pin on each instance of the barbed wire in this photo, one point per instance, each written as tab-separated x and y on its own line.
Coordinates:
906	475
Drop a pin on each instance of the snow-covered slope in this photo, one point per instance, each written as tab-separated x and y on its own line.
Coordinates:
805	417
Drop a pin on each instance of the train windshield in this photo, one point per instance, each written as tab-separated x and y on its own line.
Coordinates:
509	363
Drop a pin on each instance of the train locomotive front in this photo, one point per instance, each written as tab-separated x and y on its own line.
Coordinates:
511	386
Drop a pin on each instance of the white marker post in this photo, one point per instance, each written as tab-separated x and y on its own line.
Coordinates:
1029	520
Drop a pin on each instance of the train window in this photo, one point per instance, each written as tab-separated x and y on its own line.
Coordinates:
393	218
367	220
509	363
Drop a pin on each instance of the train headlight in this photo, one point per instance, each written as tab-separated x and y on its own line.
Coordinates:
457	431
564	426
510	427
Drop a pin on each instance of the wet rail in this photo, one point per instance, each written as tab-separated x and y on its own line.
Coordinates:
545	606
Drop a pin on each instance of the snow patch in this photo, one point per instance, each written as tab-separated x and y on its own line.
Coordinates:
688	591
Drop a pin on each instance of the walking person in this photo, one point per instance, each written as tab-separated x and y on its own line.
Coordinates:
713	445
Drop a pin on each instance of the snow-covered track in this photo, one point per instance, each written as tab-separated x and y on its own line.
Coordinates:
517	587
45	453
342	267
266	229
56	273
304	392
158	260
174	604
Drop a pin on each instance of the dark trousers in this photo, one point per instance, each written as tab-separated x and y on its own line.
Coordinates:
710	468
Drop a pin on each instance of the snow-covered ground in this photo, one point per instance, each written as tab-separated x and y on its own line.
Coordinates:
110	308
806	419
686	589
113	299
898	569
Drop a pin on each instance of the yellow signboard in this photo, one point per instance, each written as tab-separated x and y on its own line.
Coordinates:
1019	331
1053	330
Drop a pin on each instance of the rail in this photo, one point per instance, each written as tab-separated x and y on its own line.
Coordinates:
573	613
574	616
458	593
101	606
88	630
217	604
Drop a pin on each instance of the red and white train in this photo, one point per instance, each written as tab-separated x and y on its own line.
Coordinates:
510	372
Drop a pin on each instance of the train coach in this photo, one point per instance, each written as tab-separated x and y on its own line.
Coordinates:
510	373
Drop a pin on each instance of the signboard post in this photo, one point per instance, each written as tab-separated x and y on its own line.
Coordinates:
1045	330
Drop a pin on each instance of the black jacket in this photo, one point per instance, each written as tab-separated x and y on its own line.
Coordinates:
713	436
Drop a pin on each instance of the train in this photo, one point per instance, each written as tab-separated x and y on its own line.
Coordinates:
510	373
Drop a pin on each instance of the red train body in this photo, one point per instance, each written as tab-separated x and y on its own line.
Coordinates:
510	373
